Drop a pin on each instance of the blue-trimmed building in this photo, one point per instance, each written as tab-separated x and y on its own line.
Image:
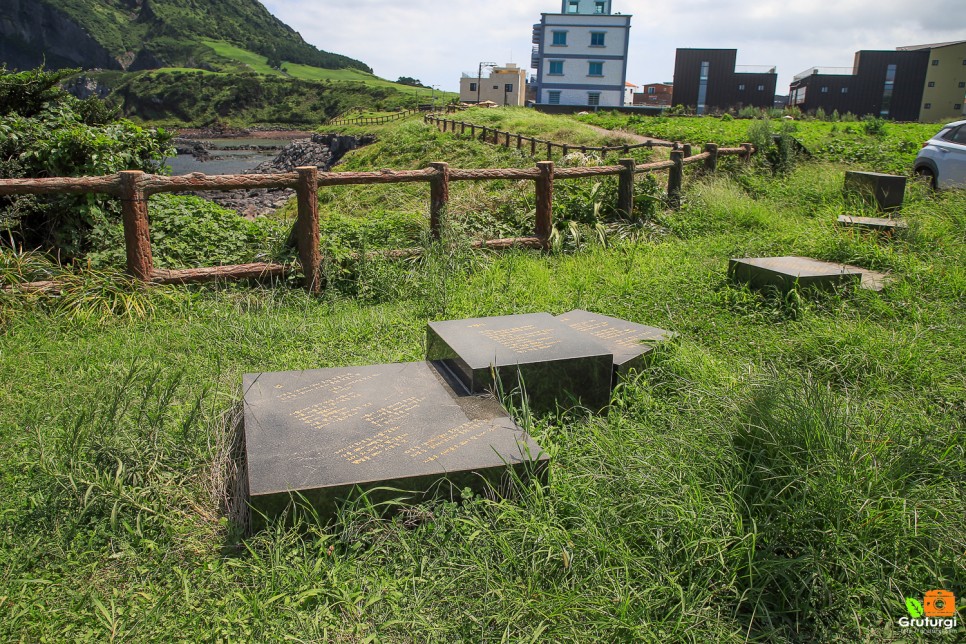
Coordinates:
580	55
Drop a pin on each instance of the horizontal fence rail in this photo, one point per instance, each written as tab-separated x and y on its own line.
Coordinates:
374	120
133	189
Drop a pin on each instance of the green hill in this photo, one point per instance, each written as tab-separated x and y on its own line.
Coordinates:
148	34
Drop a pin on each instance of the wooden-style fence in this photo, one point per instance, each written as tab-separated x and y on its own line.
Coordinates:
375	120
134	188
537	147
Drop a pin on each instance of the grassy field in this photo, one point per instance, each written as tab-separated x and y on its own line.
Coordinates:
259	64
788	469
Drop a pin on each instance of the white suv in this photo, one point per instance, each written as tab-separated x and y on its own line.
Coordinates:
942	159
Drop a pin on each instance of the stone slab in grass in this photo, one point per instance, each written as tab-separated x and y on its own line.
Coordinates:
786	273
557	364
630	343
886	191
880	224
320	433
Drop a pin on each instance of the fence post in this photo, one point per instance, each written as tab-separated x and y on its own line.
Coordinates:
438	198
625	188
627	149
137	232
506	143
473	131
748	149
462	127
533	147
711	163
566	148
544	200
549	150
483	136
307	225
687	150
519	141
674	177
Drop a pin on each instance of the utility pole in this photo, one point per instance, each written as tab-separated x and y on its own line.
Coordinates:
479	79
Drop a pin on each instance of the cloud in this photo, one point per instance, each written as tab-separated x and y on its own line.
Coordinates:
436	41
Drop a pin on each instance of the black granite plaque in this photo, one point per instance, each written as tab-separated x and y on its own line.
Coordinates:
786	273
321	433
879	224
631	344
885	191
557	364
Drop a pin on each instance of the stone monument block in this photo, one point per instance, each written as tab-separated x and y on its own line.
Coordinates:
880	224
631	344
556	364
884	190
322	433
785	273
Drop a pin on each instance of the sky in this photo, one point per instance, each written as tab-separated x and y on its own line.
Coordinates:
437	40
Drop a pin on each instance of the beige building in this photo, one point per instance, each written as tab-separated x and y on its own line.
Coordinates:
505	85
944	94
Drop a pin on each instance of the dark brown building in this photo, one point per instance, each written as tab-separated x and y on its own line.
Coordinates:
654	94
708	80
881	83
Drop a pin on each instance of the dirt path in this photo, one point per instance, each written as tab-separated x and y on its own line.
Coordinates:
624	135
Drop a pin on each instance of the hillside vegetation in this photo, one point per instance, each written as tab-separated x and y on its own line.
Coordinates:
788	469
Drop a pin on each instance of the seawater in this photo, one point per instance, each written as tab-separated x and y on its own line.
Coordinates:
229	161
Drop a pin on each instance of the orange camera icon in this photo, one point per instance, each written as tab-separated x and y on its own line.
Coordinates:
939	603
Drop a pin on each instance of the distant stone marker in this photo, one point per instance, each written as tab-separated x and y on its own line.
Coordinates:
630	343
872	223
785	273
321	433
557	363
884	190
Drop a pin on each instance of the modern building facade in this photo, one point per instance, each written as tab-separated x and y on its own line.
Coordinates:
505	85
707	80
886	83
655	95
944	96
580	55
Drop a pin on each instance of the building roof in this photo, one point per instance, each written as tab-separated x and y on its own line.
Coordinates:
932	46
629	84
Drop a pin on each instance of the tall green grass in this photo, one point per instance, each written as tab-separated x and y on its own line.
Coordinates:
785	469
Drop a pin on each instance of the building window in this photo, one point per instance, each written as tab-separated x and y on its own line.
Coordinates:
928	106
845	90
962	84
472	87
703	86
935	62
964	61
508	87
560	38
593	98
761	88
651	90
597	38
574	6
595	69
496	87
553	98
958	106
888	86
824	89
741	87
600	7
556	67
932	83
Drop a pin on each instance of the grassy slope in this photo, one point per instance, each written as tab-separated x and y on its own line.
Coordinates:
788	469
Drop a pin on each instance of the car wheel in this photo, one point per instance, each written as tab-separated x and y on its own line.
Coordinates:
926	173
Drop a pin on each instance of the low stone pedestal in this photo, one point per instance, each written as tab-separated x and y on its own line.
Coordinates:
878	224
557	365
786	273
886	191
321	434
631	344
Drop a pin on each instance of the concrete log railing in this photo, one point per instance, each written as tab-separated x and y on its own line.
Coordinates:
544	148
372	120
134	188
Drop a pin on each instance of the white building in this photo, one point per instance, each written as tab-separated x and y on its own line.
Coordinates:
580	55
506	85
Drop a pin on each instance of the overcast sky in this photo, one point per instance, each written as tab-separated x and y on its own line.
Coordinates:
436	40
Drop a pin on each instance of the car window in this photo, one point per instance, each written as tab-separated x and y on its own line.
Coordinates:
954	135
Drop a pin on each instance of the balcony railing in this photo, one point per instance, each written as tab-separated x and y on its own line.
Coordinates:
832	71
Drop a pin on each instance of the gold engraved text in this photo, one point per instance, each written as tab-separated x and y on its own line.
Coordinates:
523	339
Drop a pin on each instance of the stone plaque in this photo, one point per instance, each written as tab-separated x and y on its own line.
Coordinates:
872	223
557	364
321	433
785	273
631	344
886	191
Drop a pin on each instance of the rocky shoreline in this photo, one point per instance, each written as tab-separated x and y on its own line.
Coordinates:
320	150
